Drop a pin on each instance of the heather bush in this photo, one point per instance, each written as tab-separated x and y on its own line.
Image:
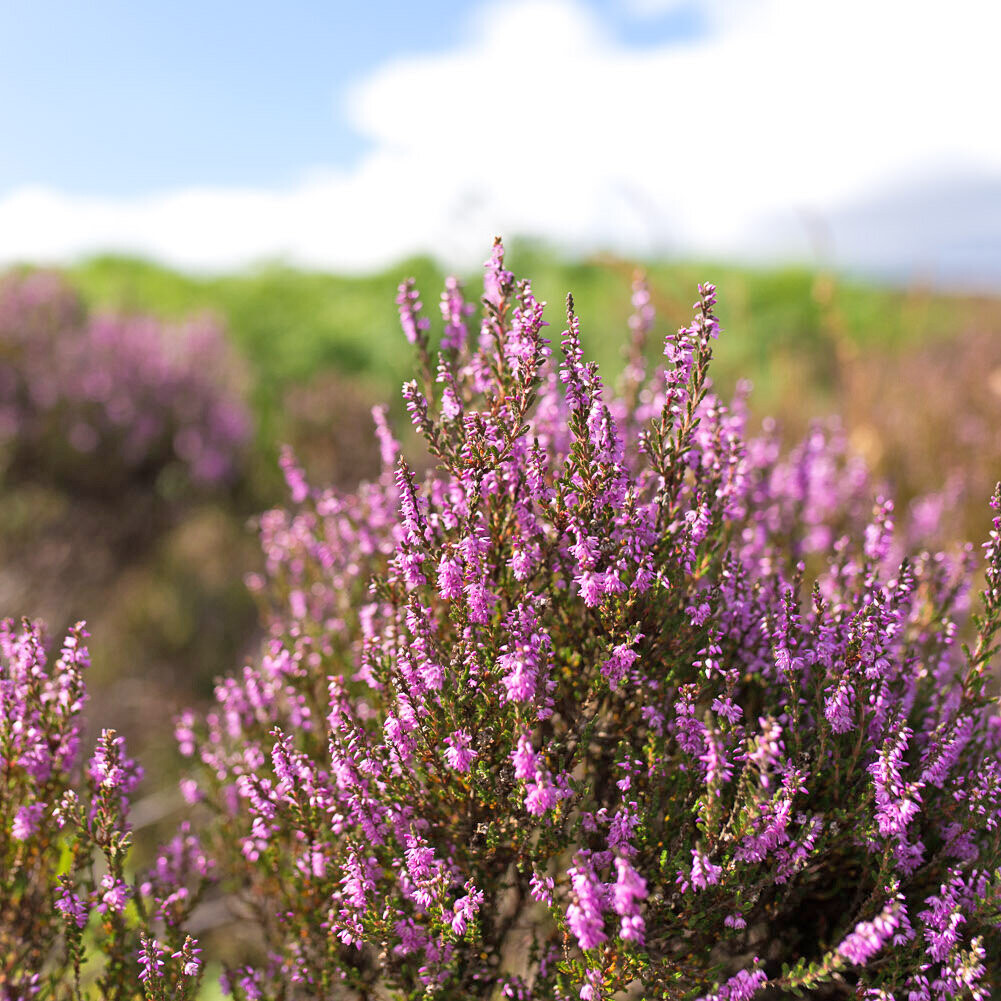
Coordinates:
74	921
97	401
616	698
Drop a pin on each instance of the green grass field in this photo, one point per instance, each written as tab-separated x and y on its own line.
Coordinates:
787	330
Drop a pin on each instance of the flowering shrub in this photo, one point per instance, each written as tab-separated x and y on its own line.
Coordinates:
615	698
72	919
102	399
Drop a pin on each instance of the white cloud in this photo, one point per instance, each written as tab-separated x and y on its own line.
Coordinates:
540	124
654	8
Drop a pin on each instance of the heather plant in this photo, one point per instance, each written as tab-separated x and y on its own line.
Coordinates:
74	921
615	698
100	400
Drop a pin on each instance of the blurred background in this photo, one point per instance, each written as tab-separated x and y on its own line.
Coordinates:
205	210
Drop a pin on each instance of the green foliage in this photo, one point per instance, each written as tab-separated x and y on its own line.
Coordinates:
291	324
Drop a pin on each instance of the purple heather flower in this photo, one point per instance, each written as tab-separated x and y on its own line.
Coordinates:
718	769
627	892
897	802
389	448
540	795
465	908
414	325
541	888
114	894
690	731
838	707
110	768
454	311
151	955
480	601
879	533
189	956
584	915
728	709
71	906
622	658
524	758
26	821
295	478
870	937
740	987
495	279
942	919
458	754
703	873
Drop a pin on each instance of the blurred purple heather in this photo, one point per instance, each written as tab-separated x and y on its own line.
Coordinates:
97	399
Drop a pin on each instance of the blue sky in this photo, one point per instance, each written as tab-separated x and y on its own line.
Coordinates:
849	133
120	98
125	98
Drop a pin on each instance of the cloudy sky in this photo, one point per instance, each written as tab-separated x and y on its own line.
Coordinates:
855	133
